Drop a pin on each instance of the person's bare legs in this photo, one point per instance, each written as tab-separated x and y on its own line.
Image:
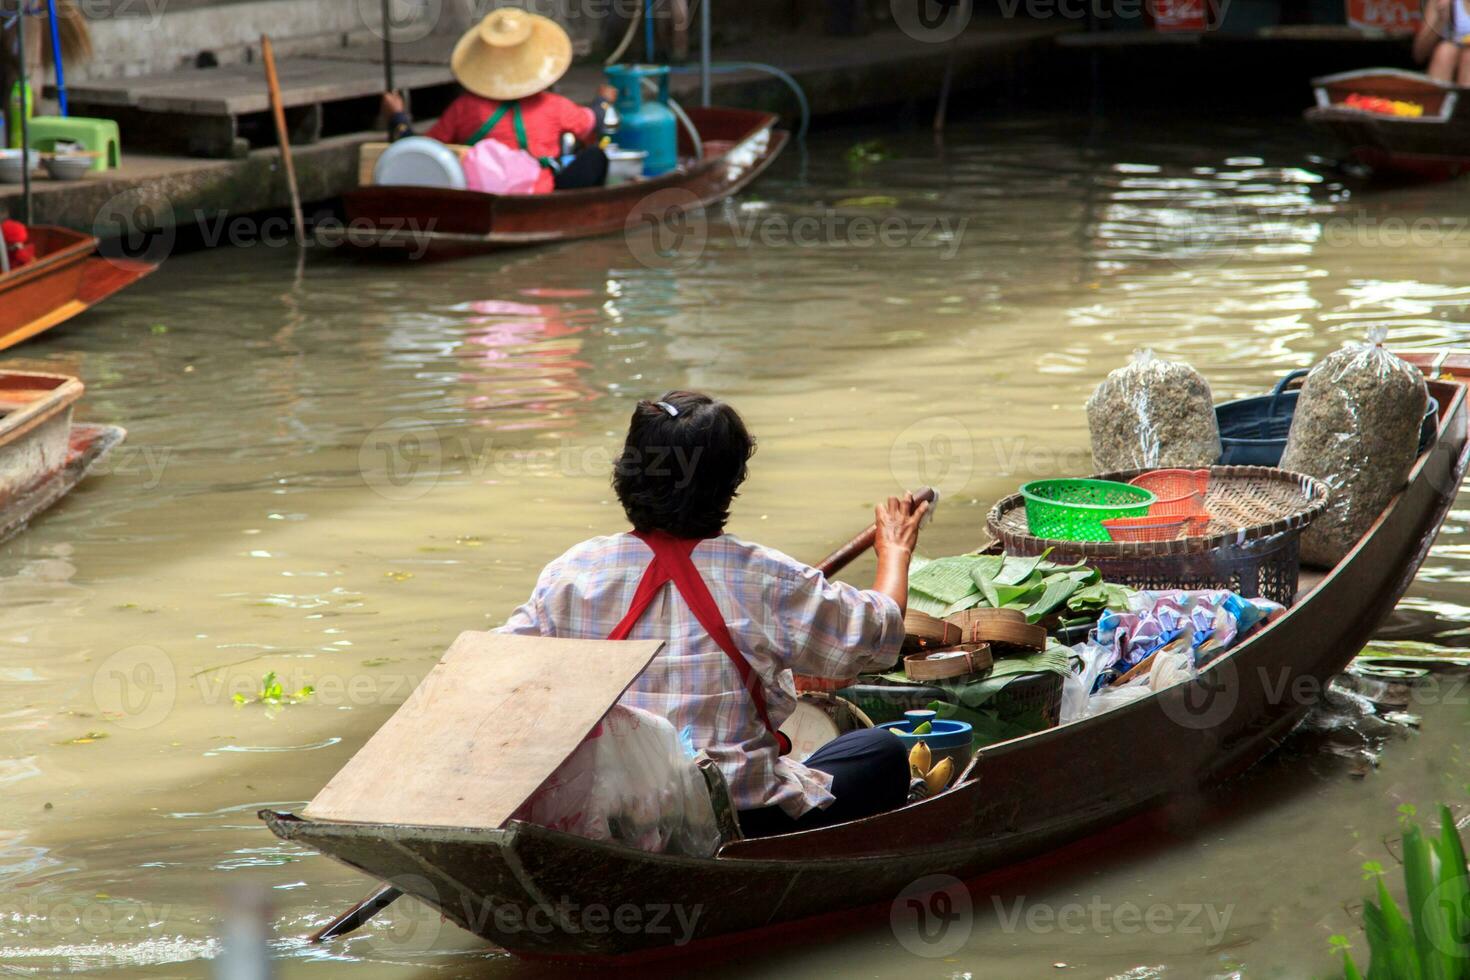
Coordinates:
1464	75
1445	62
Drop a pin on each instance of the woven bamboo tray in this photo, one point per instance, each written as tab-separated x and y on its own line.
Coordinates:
1252	546
1245	503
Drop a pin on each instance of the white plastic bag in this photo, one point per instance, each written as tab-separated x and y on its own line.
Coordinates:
1153	413
1077	686
1170	667
631	781
1115	697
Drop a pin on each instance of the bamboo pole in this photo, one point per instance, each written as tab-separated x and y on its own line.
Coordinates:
387	47
268	55
25	124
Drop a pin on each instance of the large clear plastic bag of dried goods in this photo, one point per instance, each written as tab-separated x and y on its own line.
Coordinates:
1153	413
632	781
1356	429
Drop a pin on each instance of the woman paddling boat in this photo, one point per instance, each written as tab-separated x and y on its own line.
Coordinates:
737	618
507	64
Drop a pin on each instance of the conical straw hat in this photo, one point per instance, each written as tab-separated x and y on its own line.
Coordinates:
511	54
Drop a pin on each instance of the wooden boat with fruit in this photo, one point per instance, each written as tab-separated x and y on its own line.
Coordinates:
1432	145
738	145
43	454
67	278
1017	799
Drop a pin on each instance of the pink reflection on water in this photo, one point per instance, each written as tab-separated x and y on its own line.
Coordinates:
528	369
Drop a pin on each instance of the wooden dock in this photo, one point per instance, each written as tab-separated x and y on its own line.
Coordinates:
222	112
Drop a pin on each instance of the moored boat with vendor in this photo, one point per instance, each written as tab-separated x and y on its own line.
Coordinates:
513	163
737	145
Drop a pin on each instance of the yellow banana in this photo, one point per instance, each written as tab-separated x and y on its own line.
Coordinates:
938	777
919	760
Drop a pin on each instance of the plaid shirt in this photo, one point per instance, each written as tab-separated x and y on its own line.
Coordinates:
783	615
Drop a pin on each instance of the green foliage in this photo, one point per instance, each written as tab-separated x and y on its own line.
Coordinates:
1431	942
866	152
272	693
1035	586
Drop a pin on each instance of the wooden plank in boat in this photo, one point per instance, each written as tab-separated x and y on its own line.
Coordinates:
484	729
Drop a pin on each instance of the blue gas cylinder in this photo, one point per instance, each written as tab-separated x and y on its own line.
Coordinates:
646	125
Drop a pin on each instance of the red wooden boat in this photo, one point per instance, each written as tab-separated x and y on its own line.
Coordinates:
67	277
738	145
523	886
42	453
1432	146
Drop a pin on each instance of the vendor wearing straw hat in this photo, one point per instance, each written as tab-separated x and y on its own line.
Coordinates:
507	63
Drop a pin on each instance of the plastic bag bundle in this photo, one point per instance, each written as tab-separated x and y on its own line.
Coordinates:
633	782
1078	686
1356	429
1116	697
1153	413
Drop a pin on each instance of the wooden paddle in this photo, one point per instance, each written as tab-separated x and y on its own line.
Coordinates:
278	110
358	914
844	556
385	896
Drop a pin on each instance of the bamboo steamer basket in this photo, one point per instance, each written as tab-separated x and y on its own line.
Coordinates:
924	632
940	665
1003	628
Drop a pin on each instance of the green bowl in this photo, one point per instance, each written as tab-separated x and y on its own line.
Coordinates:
1073	510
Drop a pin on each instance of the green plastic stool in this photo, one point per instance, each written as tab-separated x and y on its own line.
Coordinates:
97	135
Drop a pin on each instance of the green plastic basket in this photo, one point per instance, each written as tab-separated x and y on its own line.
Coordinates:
1073	510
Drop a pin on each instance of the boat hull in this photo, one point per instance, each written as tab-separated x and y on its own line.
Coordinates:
1434	146
440	223
87	446
67	278
530	889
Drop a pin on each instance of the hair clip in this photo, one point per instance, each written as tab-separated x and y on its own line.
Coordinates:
673	412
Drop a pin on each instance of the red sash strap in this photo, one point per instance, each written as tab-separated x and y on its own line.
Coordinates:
672	563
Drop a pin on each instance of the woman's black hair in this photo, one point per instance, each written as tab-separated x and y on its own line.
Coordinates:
682	464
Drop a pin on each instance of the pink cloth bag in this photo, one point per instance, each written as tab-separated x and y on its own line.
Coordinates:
494	168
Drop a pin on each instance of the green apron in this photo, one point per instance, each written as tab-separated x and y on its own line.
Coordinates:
513	106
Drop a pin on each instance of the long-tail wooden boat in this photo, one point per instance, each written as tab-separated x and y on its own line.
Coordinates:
42	453
67	278
1431	146
526	887
738	145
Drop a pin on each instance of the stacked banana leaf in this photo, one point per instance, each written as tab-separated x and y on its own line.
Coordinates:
1037	587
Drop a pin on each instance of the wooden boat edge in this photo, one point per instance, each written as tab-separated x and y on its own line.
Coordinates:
97	279
100	441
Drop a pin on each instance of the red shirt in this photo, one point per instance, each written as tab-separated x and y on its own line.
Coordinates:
546	115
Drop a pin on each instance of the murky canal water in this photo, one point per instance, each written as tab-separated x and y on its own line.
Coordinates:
329	476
